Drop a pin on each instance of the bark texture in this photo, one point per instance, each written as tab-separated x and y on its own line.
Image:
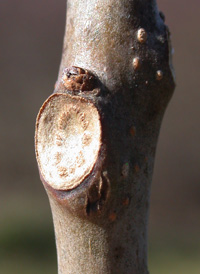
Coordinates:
96	135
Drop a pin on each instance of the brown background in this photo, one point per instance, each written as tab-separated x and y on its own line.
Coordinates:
31	34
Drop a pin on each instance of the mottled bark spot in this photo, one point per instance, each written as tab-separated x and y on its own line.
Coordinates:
137	168
132	131
125	170
136	63
142	35
126	201
112	216
159	75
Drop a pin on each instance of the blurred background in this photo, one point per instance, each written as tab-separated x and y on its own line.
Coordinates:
31	37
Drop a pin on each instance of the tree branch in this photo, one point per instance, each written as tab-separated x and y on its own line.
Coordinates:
96	135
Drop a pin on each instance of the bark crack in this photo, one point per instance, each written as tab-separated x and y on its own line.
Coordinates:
97	195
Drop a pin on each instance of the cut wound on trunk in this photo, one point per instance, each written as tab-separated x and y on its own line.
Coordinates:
68	140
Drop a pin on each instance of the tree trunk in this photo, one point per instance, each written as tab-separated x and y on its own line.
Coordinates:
96	135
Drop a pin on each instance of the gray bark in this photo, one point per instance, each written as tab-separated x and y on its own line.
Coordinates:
111	110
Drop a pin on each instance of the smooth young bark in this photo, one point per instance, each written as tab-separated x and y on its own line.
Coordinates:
96	135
